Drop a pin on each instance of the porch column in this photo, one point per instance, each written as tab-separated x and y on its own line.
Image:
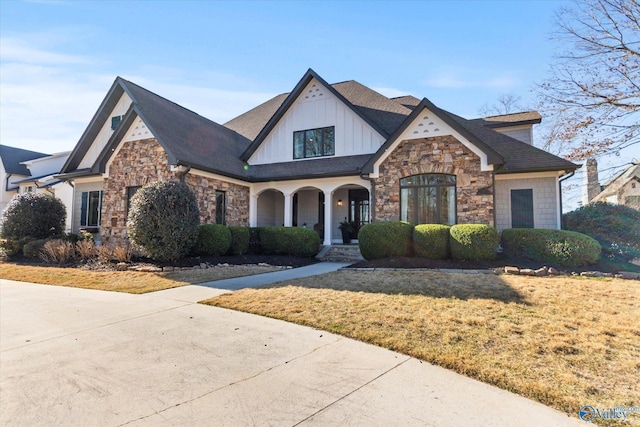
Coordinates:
287	210
253	210
328	205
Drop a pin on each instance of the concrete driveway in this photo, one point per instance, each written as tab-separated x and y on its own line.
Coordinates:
77	357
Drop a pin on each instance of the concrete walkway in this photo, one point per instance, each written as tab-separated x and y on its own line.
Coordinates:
74	357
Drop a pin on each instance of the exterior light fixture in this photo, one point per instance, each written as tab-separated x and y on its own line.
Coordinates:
339	202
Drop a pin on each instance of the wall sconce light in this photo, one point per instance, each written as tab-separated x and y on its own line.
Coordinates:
340	202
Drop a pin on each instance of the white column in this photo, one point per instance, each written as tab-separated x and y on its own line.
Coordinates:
287	210
328	205
253	210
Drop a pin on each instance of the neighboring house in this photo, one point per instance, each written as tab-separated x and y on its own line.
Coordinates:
622	189
24	171
321	154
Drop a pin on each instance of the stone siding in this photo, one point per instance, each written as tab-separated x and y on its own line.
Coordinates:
140	162
442	154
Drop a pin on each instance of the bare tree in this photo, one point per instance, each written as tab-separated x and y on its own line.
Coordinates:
505	104
594	87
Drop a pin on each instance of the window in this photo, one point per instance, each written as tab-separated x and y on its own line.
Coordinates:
428	199
221	207
115	121
130	192
90	208
522	208
314	143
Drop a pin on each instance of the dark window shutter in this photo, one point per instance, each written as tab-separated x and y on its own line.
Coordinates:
83	208
522	208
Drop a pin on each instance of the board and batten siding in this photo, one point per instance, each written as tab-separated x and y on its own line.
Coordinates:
77	200
317	107
545	201
105	133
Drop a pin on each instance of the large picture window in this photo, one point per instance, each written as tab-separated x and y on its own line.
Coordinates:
428	199
314	143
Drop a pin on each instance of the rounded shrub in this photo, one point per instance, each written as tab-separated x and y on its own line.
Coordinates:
213	239
296	241
473	242
163	220
556	247
33	248
33	215
431	241
385	239
239	240
615	227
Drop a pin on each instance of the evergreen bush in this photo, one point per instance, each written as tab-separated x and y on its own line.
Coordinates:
386	239
163	220
296	241
213	239
239	240
556	247
473	242
431	241
32	216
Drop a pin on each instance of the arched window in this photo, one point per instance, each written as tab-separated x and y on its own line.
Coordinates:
428	199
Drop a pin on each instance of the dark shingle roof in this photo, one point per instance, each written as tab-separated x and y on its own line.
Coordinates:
311	168
408	101
512	119
12	157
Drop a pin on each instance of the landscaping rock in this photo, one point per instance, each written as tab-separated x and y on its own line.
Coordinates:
203	265
541	272
122	266
592	274
167	268
512	270
629	275
552	271
527	272
263	264
150	269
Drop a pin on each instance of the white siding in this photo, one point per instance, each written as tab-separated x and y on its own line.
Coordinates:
270	209
545	201
77	201
105	133
307	208
315	108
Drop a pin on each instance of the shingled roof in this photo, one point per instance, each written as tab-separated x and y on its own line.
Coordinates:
12	157
512	119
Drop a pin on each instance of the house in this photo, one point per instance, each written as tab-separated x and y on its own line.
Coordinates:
23	171
314	157
623	188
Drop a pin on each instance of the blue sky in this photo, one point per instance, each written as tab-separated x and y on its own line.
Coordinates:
59	58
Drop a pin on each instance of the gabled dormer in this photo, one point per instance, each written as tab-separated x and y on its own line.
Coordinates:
318	120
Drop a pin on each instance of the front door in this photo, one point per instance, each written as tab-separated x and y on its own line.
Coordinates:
358	209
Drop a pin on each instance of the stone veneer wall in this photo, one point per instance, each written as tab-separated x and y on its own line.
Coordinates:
442	154
144	161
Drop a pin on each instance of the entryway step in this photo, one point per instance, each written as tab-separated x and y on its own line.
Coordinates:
340	253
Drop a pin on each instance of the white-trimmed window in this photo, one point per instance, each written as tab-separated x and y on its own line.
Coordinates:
314	143
90	208
428	199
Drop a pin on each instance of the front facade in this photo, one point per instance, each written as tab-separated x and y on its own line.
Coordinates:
315	157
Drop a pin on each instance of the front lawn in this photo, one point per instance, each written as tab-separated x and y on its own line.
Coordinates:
124	281
566	342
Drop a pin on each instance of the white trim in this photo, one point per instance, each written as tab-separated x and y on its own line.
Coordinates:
559	203
86	180
436	127
529	175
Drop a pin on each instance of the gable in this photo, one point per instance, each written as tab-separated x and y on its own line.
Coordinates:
317	107
105	132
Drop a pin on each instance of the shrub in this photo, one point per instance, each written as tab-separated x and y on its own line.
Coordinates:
385	239
33	215
213	239
163	220
122	252
33	248
13	247
239	240
255	245
86	249
296	241
57	251
431	241
473	242
104	254
615	227
557	247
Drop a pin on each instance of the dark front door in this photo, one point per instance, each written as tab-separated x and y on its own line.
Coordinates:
358	209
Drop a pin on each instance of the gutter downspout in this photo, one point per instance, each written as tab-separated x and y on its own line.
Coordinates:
564	178
183	173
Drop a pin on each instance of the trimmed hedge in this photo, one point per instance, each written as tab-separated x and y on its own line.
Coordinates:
33	215
296	241
33	248
213	239
557	247
386	239
239	240
473	242
431	241
163	220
